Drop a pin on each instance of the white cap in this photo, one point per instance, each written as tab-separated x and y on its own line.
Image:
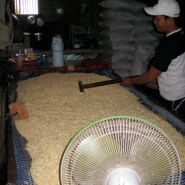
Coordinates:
164	7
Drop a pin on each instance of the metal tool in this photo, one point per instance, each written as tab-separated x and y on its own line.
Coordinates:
107	82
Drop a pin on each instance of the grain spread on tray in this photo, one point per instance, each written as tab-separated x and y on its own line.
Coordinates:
58	110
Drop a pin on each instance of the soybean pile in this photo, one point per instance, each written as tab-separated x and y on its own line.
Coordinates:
58	110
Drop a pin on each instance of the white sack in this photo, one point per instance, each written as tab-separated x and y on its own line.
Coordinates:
141	16
145	37
117	45
155	43
140	27
109	60
119	14
128	4
117	35
116	25
120	64
140	62
122	73
158	35
116	55
145	45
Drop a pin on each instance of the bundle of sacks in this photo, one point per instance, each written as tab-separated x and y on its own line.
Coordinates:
128	37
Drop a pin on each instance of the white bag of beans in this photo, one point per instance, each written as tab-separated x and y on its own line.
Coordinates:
145	45
119	14
128	4
117	35
122	72
155	43
140	62
117	45
140	27
141	16
116	25
145	37
158	35
116	55
121	64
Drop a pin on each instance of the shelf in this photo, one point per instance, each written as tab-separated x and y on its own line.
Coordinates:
69	51
78	37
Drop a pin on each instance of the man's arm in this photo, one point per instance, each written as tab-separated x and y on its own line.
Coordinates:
145	78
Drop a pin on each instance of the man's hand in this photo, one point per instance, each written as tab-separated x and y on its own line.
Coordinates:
126	82
145	78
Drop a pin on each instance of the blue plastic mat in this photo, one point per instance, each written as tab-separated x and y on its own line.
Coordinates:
23	160
177	123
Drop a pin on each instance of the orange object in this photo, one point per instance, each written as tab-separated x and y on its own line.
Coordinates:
18	111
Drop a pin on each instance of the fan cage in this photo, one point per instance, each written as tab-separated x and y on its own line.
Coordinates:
123	141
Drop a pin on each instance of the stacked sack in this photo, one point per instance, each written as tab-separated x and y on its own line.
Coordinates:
128	38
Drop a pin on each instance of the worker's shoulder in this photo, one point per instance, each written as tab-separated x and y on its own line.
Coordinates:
181	34
178	38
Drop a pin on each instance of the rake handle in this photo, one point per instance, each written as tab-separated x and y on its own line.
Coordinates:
107	82
102	83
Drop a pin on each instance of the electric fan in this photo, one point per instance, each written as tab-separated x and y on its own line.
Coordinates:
120	151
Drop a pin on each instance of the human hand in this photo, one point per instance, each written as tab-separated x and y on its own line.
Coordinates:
126	82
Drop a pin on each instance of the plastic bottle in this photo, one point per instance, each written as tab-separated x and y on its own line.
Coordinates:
20	59
57	47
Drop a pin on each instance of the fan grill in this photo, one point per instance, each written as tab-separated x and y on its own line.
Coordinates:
119	142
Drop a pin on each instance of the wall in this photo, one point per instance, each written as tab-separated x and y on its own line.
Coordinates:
58	24
54	24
